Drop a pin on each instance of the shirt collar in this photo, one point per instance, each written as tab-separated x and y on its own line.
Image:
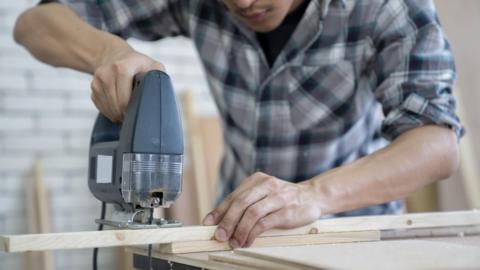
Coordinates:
325	4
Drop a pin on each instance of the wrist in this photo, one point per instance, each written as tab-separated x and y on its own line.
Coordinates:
112	48
320	194
330	189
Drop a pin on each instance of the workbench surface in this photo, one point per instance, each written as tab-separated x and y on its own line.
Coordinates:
426	253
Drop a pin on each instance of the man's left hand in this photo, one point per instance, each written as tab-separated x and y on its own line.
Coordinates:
263	202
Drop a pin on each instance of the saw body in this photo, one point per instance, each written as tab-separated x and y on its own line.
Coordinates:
137	165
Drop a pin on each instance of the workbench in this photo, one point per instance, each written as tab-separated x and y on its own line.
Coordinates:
426	253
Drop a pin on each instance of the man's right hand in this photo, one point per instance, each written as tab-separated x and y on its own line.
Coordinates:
112	81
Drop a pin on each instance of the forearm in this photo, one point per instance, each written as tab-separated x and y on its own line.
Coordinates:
54	34
415	159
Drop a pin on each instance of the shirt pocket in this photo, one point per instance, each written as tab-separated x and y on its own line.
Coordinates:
322	96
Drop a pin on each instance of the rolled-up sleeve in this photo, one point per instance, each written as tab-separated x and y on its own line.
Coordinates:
142	19
414	69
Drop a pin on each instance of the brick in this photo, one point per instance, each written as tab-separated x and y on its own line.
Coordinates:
34	103
59	83
11	122
18	60
65	123
55	184
13	81
11	185
6	41
2	144
13	208
16	225
81	104
65	162
76	220
13	5
78	141
10	18
15	163
34	142
62	73
12	261
78	200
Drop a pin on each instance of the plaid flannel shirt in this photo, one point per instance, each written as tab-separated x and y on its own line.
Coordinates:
353	75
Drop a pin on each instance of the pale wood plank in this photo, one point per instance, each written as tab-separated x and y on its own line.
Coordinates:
469	162
108	238
197	155
38	216
272	241
89	239
397	254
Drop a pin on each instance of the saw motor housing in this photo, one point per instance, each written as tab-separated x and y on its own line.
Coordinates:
137	165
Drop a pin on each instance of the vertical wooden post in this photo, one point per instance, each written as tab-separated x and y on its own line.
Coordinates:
38	217
197	162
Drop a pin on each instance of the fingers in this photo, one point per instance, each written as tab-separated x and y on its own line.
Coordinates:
261	203
112	83
216	215
102	101
252	215
124	84
227	225
285	218
273	220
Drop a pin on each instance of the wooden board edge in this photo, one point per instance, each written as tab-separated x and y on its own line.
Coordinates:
272	241
4	243
89	239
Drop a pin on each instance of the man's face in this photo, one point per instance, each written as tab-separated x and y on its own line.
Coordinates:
262	15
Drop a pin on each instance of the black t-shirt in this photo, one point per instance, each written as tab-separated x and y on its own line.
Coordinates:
273	42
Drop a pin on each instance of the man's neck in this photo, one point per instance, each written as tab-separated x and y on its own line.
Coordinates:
295	5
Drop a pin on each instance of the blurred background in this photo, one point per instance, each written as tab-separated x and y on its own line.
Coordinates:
46	118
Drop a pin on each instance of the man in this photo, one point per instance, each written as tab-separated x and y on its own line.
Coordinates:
300	85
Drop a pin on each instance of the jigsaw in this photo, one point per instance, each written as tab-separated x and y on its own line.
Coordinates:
137	165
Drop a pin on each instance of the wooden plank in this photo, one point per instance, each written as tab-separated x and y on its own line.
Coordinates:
397	254
108	238
393	222
89	239
38	216
197	155
272	241
469	161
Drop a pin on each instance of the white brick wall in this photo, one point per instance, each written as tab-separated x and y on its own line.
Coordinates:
46	113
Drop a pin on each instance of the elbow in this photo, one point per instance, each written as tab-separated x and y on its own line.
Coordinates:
22	27
454	162
451	156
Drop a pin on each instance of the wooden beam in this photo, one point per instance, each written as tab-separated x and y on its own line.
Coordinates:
38	217
273	241
89	239
200	180
109	238
469	160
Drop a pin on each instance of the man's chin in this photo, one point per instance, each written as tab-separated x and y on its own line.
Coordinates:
262	28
